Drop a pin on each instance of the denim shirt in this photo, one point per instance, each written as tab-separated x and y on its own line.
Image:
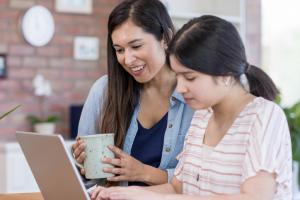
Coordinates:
179	119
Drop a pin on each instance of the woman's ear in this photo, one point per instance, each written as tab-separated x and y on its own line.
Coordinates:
165	45
165	41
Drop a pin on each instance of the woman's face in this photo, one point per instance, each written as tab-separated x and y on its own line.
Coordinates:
140	53
199	90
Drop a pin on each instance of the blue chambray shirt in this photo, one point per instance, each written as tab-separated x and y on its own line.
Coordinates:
179	119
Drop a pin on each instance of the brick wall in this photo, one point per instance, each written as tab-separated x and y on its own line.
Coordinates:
70	79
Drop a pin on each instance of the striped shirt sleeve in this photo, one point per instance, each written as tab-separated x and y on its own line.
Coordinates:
269	145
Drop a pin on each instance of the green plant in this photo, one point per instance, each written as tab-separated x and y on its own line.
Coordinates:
7	113
35	120
293	118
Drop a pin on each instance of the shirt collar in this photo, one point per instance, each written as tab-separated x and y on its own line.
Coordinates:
177	96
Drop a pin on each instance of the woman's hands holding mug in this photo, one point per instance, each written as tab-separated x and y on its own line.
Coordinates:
126	167
79	152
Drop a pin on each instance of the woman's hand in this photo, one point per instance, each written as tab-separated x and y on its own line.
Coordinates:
126	167
78	152
124	193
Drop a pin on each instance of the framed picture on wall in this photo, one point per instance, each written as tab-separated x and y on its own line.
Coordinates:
86	48
3	67
74	6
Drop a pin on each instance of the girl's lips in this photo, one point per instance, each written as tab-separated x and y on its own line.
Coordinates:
187	99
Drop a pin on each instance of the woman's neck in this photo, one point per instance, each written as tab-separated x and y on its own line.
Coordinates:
164	82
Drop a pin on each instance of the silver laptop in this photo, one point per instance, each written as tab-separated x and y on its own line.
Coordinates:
52	166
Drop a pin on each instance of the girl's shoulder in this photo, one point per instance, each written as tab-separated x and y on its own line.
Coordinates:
202	114
269	119
265	109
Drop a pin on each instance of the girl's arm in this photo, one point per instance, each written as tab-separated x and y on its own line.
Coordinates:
260	187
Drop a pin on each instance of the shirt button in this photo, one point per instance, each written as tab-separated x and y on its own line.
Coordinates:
198	176
173	98
168	149
170	125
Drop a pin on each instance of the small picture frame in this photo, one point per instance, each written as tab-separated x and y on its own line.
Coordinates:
3	67
86	48
74	6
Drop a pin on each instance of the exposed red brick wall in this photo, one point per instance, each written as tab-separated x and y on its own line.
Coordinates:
70	78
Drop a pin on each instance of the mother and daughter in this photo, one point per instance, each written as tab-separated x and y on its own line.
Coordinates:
237	144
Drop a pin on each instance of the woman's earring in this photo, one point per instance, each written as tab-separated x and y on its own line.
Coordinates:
165	46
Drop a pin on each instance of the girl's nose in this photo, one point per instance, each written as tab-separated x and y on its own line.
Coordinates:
180	87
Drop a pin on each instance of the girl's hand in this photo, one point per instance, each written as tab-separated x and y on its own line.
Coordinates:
125	193
126	167
95	194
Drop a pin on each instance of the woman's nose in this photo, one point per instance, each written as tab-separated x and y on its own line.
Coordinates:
129	58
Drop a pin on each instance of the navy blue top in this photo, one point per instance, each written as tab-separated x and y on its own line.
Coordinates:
148	144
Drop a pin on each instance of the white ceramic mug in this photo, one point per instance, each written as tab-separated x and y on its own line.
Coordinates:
96	149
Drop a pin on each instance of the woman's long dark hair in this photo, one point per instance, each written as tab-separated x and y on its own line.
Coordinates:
211	45
123	91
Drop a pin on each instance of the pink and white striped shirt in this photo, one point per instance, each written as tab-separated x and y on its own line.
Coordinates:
258	139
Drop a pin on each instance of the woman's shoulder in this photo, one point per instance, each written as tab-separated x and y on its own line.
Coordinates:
100	83
99	86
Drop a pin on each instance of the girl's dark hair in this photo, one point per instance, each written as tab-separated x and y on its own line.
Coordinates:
211	45
123	91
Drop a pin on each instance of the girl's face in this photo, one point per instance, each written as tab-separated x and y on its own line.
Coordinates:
199	90
140	53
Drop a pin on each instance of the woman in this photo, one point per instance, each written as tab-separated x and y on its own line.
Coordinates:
238	145
136	100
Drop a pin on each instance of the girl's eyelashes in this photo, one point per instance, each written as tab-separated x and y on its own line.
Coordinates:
190	78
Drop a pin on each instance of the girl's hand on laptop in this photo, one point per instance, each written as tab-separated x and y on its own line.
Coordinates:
78	152
124	193
95	193
126	167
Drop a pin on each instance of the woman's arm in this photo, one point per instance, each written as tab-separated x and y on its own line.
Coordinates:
128	168
154	176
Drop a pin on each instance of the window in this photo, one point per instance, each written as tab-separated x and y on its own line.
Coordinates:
281	46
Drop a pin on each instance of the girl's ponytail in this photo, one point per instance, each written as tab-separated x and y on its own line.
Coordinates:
260	83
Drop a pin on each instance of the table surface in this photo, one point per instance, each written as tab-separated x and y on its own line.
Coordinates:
22	196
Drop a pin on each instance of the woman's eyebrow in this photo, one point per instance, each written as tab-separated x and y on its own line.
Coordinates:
130	42
135	40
